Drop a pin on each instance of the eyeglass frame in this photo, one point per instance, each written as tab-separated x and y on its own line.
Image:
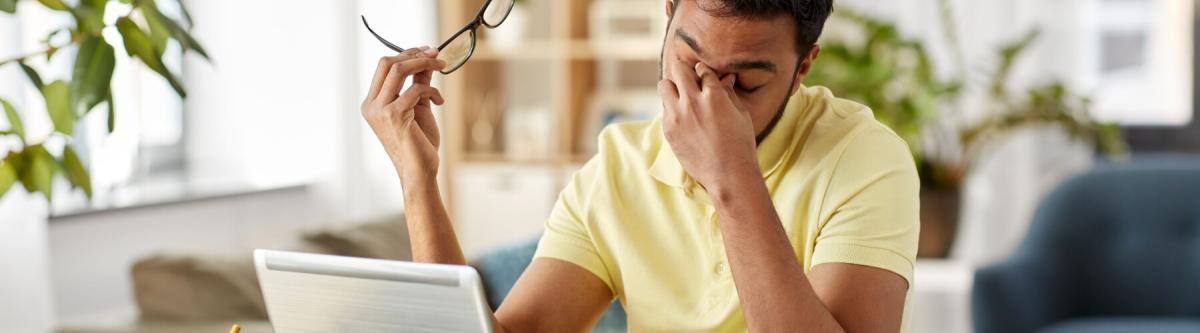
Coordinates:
471	26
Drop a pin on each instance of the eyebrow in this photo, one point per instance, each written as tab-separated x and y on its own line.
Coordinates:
737	66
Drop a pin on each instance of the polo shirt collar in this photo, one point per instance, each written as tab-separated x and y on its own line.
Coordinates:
773	150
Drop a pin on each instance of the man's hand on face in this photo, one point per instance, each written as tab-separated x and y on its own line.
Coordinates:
712	137
403	121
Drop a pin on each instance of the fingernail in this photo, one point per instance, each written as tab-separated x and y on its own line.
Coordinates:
430	51
426	47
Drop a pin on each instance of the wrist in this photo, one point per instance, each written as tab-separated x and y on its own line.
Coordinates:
734	186
417	180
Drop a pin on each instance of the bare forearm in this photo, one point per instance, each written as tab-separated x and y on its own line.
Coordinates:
430	230
776	294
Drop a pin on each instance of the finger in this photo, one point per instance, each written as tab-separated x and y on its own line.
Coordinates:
385	64
425	77
684	77
670	96
668	91
708	78
402	70
425	119
728	81
416	94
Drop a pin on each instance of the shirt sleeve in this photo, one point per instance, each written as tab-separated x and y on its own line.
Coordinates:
567	236
871	209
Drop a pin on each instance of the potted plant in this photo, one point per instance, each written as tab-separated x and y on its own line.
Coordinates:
34	160
896	78
145	33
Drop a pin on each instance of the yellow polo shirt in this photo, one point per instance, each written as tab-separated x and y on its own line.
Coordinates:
845	187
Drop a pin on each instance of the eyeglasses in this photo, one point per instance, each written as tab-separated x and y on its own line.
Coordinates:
456	50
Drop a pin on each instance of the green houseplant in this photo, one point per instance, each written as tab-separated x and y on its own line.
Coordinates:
896	77
145	32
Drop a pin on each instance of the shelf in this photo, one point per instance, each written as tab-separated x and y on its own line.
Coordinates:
530	50
556	65
587	49
501	158
572	50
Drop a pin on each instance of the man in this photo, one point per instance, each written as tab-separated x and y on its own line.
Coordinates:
738	209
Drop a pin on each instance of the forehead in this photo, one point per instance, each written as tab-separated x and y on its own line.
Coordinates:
732	36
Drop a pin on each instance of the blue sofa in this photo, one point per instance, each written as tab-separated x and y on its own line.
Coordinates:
501	267
1114	250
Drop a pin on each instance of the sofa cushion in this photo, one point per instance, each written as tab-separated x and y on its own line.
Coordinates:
1126	325
195	288
384	239
192	288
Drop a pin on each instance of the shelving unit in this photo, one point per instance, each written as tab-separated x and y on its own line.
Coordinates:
541	87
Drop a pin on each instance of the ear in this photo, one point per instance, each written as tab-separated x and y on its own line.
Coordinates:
806	66
670	4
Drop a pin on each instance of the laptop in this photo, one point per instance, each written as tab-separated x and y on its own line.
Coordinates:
324	293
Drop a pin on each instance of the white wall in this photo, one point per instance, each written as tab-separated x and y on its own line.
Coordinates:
25	303
271	106
281	101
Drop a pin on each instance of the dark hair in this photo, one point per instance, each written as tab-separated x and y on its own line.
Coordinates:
808	15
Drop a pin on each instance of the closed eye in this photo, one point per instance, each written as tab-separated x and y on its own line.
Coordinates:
747	90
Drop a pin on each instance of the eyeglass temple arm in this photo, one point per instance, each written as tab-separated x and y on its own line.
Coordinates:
380	38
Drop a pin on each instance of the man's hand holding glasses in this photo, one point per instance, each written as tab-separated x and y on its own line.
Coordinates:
403	121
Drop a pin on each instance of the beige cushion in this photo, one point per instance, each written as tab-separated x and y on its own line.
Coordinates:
195	288
380	240
190	288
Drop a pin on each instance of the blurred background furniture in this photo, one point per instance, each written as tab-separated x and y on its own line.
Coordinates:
207	293
1114	250
529	105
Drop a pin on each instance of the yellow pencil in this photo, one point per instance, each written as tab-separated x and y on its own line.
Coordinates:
235	329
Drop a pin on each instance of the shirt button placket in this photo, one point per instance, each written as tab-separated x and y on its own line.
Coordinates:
721	269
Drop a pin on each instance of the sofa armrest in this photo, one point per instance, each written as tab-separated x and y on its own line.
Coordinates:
1017	296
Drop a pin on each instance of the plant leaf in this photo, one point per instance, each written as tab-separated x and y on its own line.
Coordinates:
89	17
180	34
75	172
187	16
33	75
58	105
92	77
14	120
8	175
138	44
112	113
8	6
159	34
38	174
55	5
